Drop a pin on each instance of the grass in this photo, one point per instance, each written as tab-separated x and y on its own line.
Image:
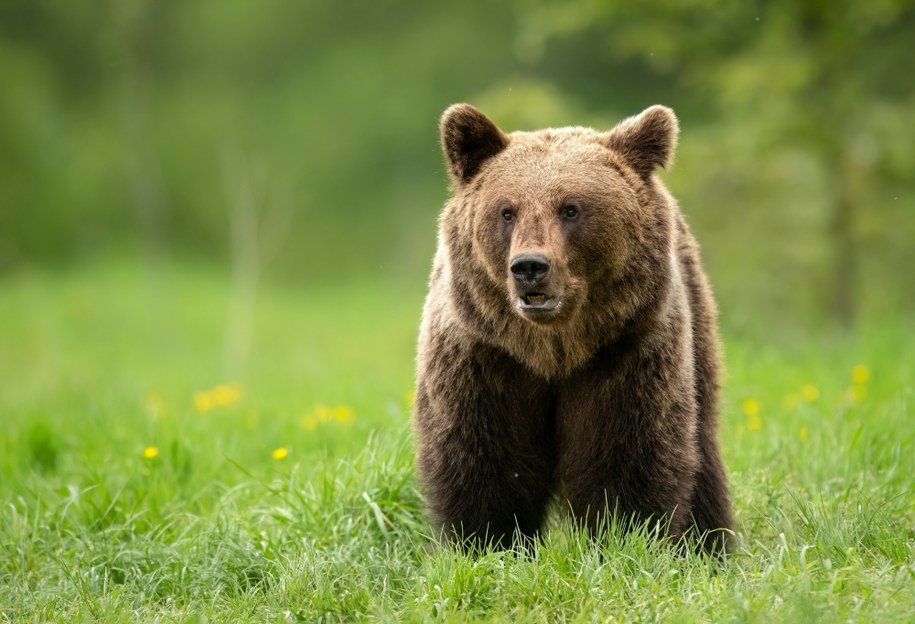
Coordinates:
125	495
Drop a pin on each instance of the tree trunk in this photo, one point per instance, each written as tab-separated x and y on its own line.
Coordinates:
844	291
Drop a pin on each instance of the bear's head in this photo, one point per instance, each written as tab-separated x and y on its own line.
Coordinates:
565	230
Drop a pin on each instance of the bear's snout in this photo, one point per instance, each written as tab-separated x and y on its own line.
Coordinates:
538	297
530	269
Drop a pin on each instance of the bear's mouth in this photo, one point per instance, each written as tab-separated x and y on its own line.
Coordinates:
537	305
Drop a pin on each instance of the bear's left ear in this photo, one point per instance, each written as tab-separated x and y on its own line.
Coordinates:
647	140
469	138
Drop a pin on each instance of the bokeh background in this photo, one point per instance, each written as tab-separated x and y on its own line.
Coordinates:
217	219
296	143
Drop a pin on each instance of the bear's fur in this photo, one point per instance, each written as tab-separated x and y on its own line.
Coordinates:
568	343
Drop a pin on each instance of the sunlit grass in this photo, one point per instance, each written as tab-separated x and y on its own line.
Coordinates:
144	476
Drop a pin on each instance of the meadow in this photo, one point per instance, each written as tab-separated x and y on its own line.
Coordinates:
175	449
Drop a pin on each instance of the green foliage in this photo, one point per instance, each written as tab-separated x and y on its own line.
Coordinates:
108	362
144	136
307	132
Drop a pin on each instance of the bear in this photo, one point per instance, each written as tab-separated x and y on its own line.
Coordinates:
568	349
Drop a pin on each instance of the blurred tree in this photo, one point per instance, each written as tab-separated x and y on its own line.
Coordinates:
116	119
205	128
819	76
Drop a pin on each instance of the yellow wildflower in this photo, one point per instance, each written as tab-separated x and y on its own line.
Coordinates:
150	452
203	402
322	414
343	414
410	397
750	407
803	434
220	396
860	374
810	393
225	395
280	453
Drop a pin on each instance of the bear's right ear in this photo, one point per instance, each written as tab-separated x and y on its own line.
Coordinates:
647	140
469	138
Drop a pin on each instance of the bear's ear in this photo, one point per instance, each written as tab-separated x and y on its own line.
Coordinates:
647	140
469	138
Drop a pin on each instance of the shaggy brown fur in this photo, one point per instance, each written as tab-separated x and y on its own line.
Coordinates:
568	343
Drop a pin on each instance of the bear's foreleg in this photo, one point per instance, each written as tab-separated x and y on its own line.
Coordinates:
627	427
486	444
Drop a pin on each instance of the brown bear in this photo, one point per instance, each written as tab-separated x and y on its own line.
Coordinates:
568	344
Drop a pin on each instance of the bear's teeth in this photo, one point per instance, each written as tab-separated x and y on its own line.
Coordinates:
535	297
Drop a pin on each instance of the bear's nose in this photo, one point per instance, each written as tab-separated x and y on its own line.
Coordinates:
530	269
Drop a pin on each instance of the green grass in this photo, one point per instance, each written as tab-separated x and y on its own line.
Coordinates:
103	362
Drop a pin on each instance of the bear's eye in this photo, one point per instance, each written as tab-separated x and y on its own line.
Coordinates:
569	212
507	215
